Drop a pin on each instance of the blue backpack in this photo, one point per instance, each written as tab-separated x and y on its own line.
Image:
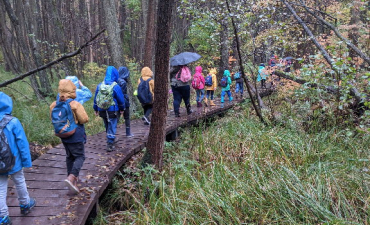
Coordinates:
223	82
63	120
208	80
7	159
237	75
143	92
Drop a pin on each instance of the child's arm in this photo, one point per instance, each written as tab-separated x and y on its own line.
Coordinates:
21	142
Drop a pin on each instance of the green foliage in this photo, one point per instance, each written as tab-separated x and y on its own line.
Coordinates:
237	171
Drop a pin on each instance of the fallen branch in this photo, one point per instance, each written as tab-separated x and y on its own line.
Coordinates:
65	56
348	42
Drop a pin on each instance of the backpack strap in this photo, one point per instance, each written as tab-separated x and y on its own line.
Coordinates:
4	121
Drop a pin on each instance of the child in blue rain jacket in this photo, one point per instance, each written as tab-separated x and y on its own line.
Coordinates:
111	115
226	89
19	146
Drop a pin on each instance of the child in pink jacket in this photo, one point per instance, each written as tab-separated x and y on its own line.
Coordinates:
198	85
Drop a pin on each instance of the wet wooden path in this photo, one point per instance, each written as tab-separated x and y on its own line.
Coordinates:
45	180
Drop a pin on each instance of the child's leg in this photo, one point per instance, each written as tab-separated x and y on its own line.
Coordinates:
241	88
126	116
176	100
76	151
69	158
111	131
208	93
236	87
229	95
198	95
212	92
20	185
148	110
222	96
3	193
201	95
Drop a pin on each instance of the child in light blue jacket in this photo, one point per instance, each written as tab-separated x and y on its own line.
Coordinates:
12	128
226	89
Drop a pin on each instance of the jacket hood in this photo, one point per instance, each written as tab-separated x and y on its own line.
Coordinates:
66	90
146	72
227	73
261	67
213	71
74	79
198	70
124	73
111	75
6	104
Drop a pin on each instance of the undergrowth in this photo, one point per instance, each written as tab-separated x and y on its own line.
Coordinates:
238	171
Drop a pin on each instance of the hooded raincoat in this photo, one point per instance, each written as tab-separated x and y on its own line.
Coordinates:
227	74
124	75
83	94
198	73
214	80
261	74
147	73
66	91
16	136
111	75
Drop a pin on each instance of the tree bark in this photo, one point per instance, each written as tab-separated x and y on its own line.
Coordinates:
155	145
149	37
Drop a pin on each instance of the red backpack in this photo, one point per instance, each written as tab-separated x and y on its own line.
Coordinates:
196	83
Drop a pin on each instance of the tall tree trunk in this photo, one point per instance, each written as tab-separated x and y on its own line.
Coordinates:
149	37
155	145
224	49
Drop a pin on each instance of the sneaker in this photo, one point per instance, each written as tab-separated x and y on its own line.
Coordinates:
25	209
5	220
110	147
71	182
146	120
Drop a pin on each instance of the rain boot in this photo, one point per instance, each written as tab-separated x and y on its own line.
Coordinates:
211	103
206	101
222	99
128	132
188	109
230	99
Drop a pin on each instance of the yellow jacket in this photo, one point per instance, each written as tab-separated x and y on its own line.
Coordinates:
147	73
214	80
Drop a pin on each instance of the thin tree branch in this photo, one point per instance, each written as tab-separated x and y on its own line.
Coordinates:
65	56
258	112
348	42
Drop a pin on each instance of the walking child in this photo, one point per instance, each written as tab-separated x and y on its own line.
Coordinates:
225	83
262	75
211	86
72	133
198	85
109	103
238	84
180	77
18	156
124	75
145	93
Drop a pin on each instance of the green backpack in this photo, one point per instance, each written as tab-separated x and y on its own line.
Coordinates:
104	98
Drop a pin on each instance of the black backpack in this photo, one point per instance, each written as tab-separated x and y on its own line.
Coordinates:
7	159
143	92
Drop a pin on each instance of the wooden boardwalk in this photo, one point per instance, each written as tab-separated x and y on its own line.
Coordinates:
45	180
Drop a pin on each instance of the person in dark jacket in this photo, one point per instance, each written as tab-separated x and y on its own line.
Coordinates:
180	90
74	144
19	146
111	115
124	76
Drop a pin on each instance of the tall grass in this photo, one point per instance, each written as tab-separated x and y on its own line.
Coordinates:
237	171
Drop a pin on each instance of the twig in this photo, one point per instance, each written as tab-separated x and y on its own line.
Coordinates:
65	56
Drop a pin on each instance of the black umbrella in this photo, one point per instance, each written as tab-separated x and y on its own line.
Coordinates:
184	58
